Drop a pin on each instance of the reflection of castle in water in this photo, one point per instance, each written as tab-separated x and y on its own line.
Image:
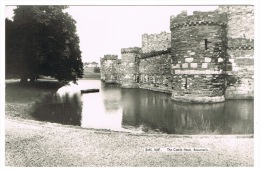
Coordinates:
138	109
111	97
155	112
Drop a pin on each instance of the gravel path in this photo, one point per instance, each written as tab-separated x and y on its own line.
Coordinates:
33	143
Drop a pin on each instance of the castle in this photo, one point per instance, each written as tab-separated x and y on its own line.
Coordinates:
208	57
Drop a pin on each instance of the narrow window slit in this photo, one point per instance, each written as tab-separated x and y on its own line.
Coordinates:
206	44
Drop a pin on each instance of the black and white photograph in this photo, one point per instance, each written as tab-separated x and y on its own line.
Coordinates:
129	84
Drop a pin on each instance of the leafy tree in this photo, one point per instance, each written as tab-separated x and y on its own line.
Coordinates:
11	62
96	70
44	42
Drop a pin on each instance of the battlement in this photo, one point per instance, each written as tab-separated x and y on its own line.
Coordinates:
244	10
156	42
161	34
110	57
131	50
198	18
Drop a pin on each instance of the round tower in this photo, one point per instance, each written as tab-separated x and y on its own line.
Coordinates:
198	57
119	71
109	68
130	67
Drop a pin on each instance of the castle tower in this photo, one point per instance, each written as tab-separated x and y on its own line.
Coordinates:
240	51
109	68
119	71
130	67
102	69
198	57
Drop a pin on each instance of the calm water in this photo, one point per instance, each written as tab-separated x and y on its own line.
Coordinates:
139	110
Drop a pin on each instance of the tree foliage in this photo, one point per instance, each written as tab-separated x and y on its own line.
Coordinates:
42	40
96	70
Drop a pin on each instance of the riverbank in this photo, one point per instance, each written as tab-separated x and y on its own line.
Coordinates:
35	143
20	100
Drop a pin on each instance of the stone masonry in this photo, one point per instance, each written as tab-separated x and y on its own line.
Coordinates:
130	67
198	56
154	68
156	42
119	73
240	51
208	57
109	65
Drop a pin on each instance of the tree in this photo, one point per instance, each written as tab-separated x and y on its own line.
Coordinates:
96	70
45	43
11	62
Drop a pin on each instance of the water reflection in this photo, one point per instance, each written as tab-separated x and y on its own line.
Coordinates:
143	110
65	109
102	110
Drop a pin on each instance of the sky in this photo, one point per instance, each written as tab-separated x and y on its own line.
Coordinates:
106	29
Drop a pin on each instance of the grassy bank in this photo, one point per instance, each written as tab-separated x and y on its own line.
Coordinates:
90	74
95	76
21	99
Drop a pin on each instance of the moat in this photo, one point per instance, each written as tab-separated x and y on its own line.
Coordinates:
144	111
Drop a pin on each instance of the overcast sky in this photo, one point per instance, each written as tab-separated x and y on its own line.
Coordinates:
106	29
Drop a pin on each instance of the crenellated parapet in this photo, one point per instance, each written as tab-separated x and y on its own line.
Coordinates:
110	57
136	50
155	44
197	19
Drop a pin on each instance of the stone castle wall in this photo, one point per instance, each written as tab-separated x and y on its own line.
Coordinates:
154	68
155	73
240	51
240	21
119	69
207	57
156	42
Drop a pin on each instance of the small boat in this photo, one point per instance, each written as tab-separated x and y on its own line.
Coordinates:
89	91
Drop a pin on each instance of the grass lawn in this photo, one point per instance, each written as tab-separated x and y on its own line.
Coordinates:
91	76
21	99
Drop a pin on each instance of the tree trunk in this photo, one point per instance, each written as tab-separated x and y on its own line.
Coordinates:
32	78
23	80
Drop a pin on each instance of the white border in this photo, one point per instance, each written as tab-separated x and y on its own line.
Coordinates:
133	2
